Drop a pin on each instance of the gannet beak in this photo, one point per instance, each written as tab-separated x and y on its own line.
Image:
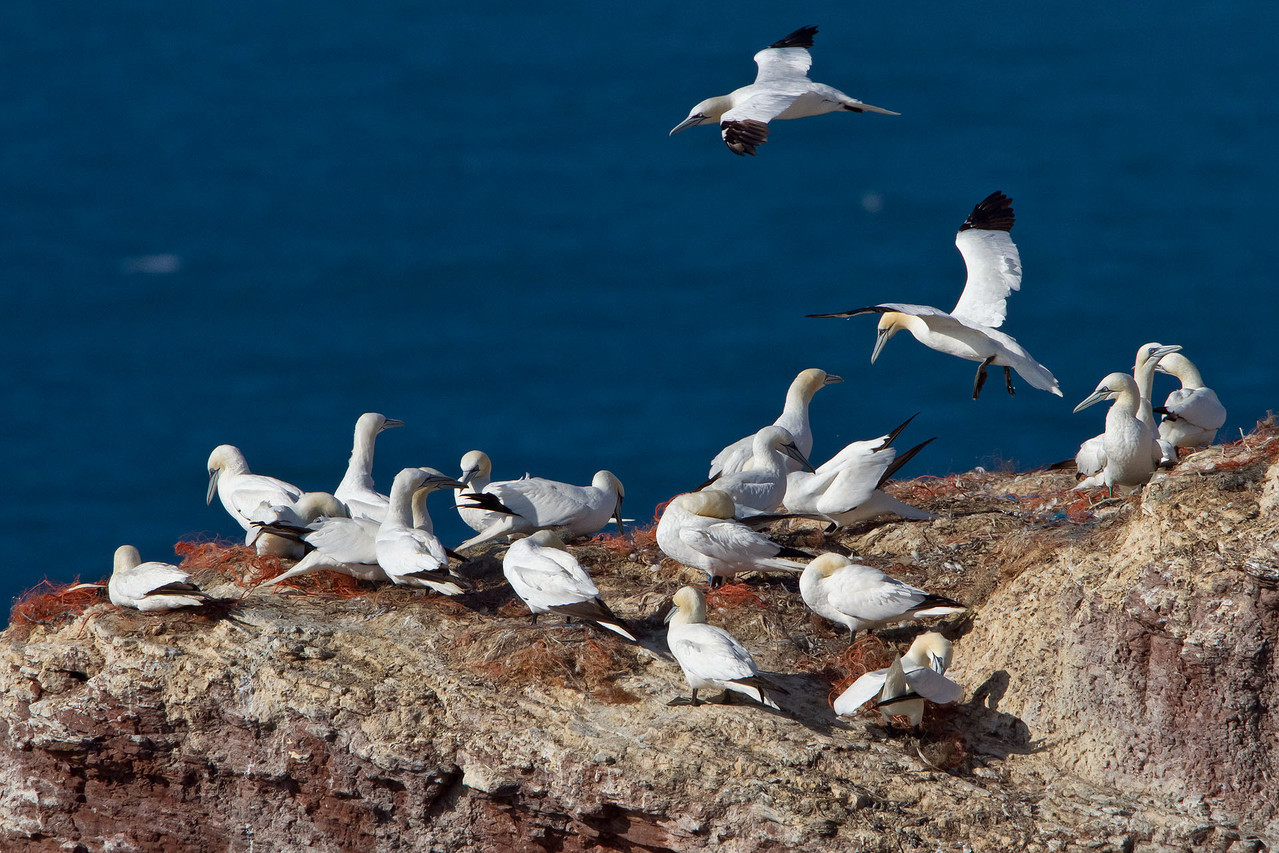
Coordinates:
443	483
468	476
692	121
213	485
617	516
670	614
1160	352
390	423
832	379
795	453
880	339
1095	397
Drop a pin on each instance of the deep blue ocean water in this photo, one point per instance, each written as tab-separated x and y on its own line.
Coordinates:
248	223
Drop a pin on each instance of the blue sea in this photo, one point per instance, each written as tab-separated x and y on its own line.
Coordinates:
248	223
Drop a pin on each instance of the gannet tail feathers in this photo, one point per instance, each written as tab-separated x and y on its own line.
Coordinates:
892	436
896	464
937	605
445	583
485	500
597	613
754	687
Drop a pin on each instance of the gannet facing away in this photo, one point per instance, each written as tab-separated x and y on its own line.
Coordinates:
1131	446
781	90
710	656
277	529
409	555
356	489
1192	414
902	688
1091	457
760	487
150	586
859	596
242	492
698	530
539	504
793	419
971	329
550	580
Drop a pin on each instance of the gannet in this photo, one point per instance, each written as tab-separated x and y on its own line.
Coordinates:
539	504
1091	457
550	580
971	329
277	529
356	489
698	530
471	500
710	656
409	555
1192	414
902	688
331	539
1131	447
150	586
781	90
793	419
761	485
858	596
242	492
846	488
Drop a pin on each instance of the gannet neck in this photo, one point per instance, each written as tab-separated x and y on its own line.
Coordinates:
313	505
400	511
690	607
127	557
1176	364
421	516
359	470
931	650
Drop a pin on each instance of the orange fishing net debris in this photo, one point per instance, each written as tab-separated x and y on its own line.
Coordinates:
866	655
46	602
245	566
734	595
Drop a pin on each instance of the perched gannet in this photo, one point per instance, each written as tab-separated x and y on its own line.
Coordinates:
150	586
1192	414
971	329
793	419
539	504
781	90
277	529
410	555
1131	447
356	489
331	539
846	488
472	503
1091	457
761	485
710	656
550	580
902	688
698	530
242	492
858	596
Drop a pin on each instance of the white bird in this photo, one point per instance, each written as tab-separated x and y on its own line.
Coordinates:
277	528
971	329
412	556
793	419
846	488
1091	457
859	596
472	501
150	586
356	489
539	504
902	688
242	492
336	542
550	580
1131	446
781	90
1192	414
698	530
710	656
760	487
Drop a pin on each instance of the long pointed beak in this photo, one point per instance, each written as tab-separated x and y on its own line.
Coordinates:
795	453
691	121
831	379
213	485
469	475
1160	352
670	614
391	423
1095	397
442	483
617	516
880	339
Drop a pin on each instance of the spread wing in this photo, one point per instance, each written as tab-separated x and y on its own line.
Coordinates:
860	692
934	686
787	58
994	265
346	540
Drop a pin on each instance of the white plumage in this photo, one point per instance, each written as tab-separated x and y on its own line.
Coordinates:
241	491
1192	414
710	656
918	675
698	530
150	586
858	596
760	486
793	419
550	580
1131	447
412	556
356	490
540	504
1091	458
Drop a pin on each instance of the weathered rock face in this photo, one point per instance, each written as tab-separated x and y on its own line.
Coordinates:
1119	661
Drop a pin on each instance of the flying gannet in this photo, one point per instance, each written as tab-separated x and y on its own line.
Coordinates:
1131	446
535	504
971	329
356	489
858	596
1192	414
902	688
698	530
793	419
781	90
413	556
150	586
550	580
709	655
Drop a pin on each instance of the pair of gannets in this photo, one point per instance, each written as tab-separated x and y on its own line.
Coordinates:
709	655
971	329
793	419
902	687
781	90
760	487
535	503
151	585
861	597
1090	461
698	529
550	580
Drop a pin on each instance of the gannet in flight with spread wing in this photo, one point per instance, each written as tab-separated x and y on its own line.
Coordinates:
781	90
971	329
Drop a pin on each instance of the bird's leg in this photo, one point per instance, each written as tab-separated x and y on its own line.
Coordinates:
852	635
684	700
716	582
533	618
980	379
1008	381
725	698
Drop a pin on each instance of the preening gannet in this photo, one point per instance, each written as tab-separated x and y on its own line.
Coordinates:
859	596
781	90
356	489
150	586
902	688
1131	446
971	329
709	655
1192	414
793	419
550	580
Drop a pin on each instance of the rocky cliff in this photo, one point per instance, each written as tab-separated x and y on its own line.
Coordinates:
1119	662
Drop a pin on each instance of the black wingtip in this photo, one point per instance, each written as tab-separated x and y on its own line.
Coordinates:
743	136
870	309
896	464
993	213
802	37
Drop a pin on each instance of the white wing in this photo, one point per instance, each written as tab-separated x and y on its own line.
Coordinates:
142	580
711	653
247	492
933	686
871	595
346	540
729	542
782	63
761	106
544	503
860	692
1200	407
994	271
547	577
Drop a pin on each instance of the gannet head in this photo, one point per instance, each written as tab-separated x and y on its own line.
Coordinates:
825	565
607	482
127	557
780	439
1153	352
475	463
810	381
548	539
708	503
1181	367
689	607
433	480
890	323
372	423
313	505
707	112
225	457
1113	386
931	650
